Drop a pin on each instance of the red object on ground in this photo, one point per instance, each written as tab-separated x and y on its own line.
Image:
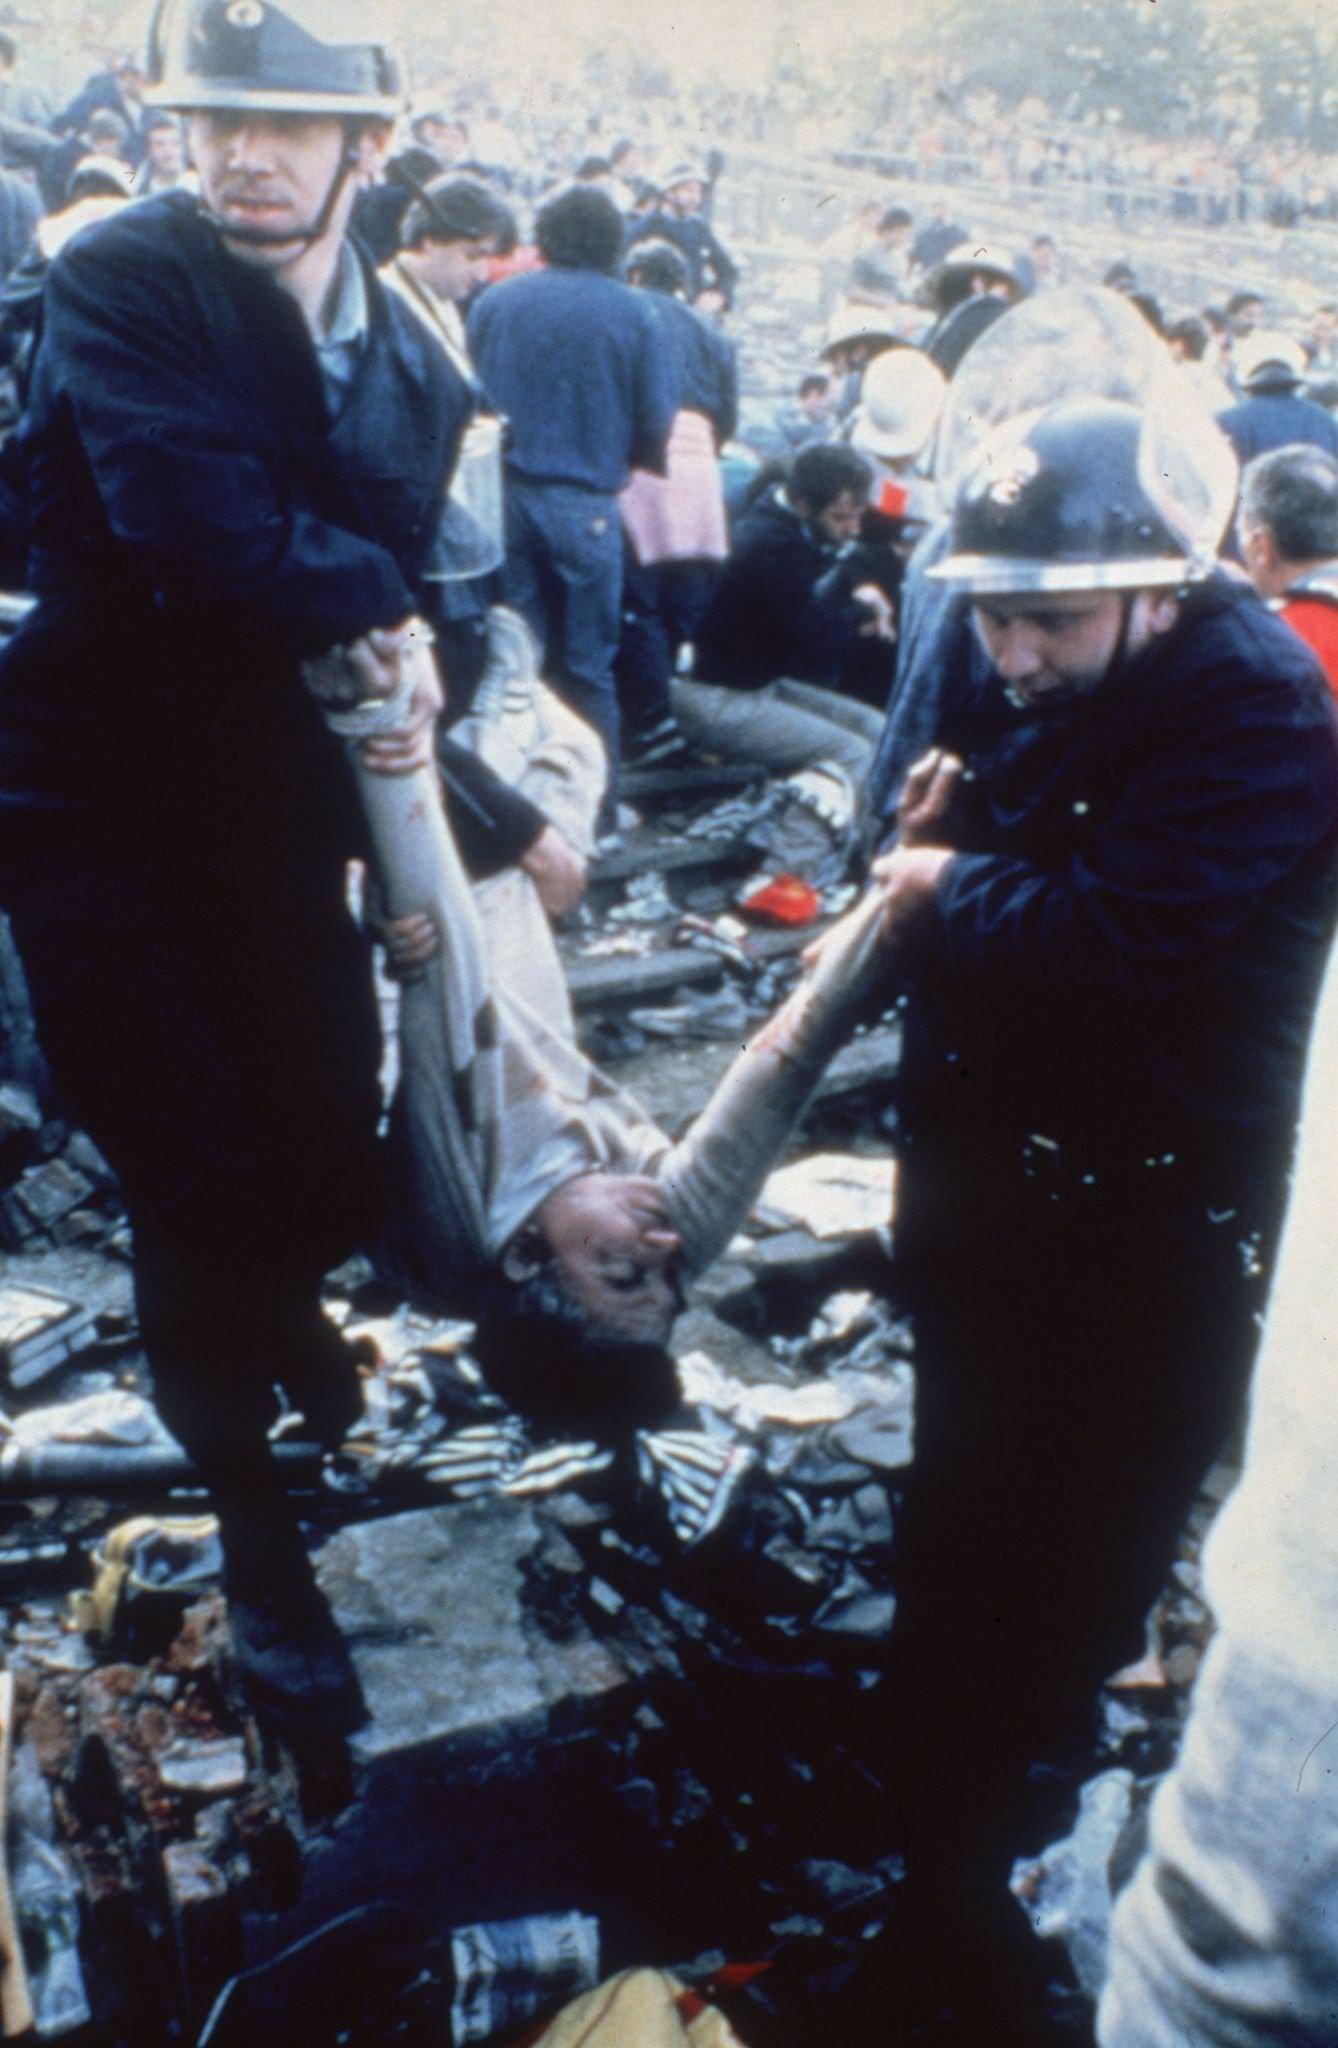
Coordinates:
785	899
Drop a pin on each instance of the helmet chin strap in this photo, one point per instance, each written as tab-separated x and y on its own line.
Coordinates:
1120	652
279	238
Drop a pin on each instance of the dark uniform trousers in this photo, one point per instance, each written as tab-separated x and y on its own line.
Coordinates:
221	1046
1080	1361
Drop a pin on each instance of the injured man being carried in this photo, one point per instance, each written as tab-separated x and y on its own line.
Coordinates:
535	1194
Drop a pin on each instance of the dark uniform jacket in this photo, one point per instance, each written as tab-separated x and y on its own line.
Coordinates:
175	818
710	267
1130	938
1275	419
774	612
199	526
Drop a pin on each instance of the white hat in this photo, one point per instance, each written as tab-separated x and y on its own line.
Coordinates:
1268	356
857	323
900	401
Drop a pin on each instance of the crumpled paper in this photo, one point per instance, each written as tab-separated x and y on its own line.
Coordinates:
832	1194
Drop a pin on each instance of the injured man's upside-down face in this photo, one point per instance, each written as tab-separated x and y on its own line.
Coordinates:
613	1250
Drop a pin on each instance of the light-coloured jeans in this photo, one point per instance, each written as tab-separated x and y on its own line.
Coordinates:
784	726
1228	1934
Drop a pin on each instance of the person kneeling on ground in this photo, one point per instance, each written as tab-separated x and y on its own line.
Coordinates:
791	620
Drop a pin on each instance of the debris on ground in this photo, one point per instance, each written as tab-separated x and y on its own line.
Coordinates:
508	1971
39	1330
626	1684
831	1194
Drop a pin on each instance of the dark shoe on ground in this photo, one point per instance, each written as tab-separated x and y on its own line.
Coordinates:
663	745
294	1664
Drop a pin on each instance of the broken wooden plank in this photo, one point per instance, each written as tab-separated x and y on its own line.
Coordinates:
624	977
687	783
645	854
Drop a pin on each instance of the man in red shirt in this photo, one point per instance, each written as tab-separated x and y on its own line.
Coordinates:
1288	524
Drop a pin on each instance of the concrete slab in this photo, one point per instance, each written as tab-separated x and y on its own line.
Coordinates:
460	1630
486	1782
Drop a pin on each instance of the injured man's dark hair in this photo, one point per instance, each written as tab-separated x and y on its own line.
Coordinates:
538	1351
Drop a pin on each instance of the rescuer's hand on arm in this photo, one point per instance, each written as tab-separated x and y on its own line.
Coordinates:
349	675
411	744
388	661
557	871
907	879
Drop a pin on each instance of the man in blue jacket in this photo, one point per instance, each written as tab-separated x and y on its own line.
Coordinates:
236	452
1273	411
1109	908
579	366
796	597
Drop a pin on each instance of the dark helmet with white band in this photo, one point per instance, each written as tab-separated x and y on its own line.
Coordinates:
297	57
318	58
1090	494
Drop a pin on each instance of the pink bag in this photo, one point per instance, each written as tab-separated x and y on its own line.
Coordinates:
679	517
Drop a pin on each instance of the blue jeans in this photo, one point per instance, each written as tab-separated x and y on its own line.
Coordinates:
564	573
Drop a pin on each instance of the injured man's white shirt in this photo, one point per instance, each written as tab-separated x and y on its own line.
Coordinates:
553	1115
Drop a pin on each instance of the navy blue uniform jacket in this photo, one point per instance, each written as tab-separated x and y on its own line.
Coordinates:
1129	942
765	620
1275	419
710	267
199	525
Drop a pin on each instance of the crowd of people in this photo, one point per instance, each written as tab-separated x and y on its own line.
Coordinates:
1201	180
335	438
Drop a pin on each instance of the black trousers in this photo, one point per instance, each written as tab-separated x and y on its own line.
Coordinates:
211	1023
663	605
1079	1362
